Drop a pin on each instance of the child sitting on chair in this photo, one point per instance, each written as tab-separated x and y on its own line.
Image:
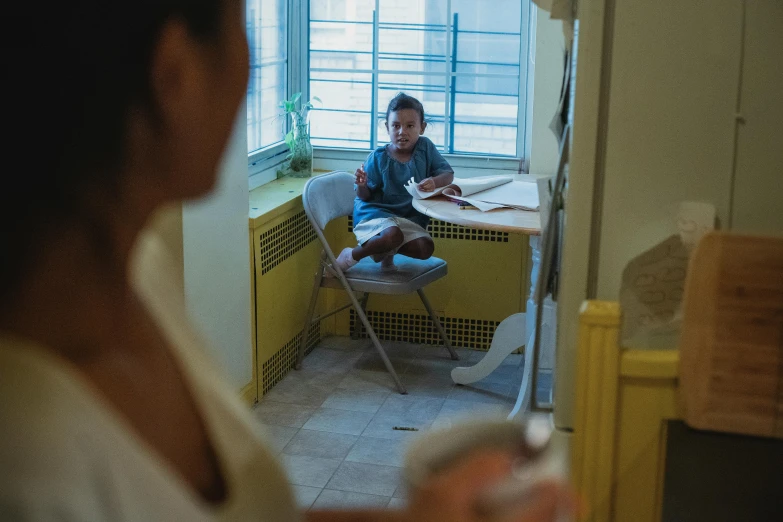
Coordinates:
385	221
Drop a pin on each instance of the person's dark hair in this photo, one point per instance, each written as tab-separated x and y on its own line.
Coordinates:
74	70
403	101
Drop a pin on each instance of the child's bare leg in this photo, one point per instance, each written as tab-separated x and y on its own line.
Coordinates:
388	240
421	248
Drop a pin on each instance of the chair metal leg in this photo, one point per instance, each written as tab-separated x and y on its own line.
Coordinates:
357	326
379	347
319	275
434	316
370	331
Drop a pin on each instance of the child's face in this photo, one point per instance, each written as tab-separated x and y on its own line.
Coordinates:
405	127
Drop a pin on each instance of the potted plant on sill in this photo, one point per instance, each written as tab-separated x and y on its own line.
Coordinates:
299	163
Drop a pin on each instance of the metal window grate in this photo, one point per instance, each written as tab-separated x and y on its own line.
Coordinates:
442	230
284	240
418	329
283	360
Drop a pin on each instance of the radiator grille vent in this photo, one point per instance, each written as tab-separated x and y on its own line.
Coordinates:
418	329
283	361
442	230
284	240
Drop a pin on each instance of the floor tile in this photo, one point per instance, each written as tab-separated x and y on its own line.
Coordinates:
371	450
440	353
372	361
305	496
322	444
368	401
298	389
332	361
403	411
343	344
309	471
338	421
277	436
514	359
368	380
372	479
488	392
411	407
436	386
454	411
401	491
282	414
331	499
504	374
332	422
397	503
436	360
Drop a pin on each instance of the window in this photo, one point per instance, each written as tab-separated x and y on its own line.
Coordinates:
464	59
267	31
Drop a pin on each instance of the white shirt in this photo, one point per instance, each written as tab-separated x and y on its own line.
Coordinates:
67	455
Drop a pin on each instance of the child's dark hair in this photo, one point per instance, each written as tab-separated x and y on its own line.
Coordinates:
403	101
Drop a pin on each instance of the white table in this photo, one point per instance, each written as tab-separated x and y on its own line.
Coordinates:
515	327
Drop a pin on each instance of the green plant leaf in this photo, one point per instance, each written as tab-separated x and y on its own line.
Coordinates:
295	97
316	98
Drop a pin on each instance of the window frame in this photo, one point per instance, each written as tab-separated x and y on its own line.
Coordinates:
263	163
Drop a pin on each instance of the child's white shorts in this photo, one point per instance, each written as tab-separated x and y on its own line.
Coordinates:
370	228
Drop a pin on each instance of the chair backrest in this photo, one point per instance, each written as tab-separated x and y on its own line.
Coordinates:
327	197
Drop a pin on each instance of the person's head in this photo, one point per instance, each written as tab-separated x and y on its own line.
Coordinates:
405	121
116	107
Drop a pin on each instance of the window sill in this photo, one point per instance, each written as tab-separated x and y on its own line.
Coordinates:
275	198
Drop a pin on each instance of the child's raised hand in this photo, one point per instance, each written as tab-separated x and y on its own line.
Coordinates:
427	185
360	177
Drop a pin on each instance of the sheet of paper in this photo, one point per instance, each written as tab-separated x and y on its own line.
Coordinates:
467	186
414	191
517	194
481	205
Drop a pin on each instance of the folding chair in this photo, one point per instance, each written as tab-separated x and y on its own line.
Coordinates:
331	196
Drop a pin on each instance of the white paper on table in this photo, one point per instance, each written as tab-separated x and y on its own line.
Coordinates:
466	186
520	195
481	205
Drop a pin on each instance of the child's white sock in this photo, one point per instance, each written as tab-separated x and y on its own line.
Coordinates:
345	260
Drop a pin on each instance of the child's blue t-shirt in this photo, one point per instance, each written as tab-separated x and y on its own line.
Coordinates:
386	179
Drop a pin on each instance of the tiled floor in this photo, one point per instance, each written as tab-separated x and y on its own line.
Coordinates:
332	422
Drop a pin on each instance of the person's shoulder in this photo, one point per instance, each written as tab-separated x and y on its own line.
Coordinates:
377	159
39	407
425	144
45	435
378	154
425	147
